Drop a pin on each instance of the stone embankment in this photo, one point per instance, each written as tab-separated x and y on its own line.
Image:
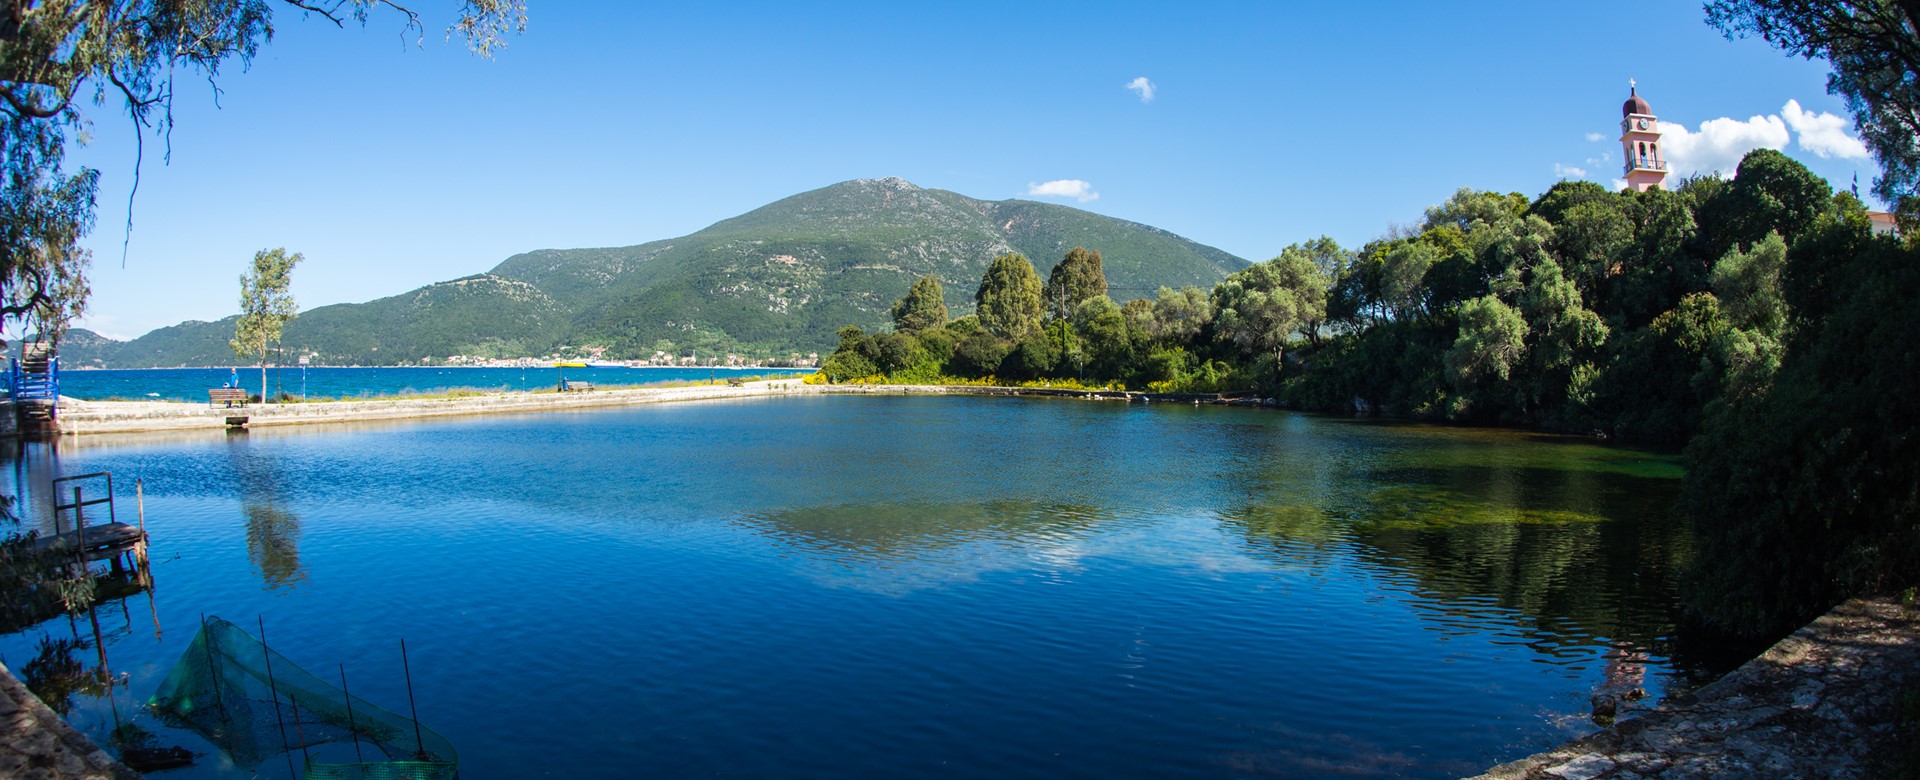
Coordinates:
92	417
38	745
95	417
1822	703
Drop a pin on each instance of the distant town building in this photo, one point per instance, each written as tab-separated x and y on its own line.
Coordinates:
1883	223
1645	168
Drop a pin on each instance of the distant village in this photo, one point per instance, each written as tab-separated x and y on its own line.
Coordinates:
595	356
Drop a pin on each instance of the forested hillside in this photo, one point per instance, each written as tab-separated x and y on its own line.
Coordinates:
776	280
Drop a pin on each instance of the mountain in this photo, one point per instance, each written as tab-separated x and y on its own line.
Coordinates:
780	278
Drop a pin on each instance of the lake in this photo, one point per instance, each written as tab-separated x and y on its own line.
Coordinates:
190	384
914	586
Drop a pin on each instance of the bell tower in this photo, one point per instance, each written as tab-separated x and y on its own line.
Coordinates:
1645	167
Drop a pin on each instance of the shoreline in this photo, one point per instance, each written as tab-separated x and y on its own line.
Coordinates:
81	418
1823	702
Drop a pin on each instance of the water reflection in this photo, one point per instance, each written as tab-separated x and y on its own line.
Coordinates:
273	530
1013	589
1562	547
906	547
55	676
273	542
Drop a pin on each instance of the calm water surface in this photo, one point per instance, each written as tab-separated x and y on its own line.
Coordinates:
892	586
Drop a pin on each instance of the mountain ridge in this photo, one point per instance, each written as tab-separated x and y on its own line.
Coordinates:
778	279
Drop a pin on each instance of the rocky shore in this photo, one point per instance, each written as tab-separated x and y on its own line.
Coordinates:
37	744
1824	702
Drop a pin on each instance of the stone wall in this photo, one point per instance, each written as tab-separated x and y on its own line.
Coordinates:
38	745
1821	703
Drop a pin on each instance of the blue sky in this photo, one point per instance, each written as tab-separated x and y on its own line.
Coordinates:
391	166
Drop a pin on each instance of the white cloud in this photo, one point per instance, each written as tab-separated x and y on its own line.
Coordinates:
1594	138
1064	188
1823	134
1144	87
1619	184
1718	145
1569	171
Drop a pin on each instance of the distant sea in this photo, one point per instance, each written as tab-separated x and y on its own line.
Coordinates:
191	384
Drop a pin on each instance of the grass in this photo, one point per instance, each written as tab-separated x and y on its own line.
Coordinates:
986	381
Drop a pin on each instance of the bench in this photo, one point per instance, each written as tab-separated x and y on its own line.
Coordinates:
227	395
735	382
576	387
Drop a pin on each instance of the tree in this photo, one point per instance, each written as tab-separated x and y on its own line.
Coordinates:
1261	307
923	308
1803	495
1563	341
1331	261
1180	315
978	354
57	56
1492	341
266	305
853	359
1077	279
1103	335
1034	357
1771	193
1009	297
1748	286
1874	48
1403	274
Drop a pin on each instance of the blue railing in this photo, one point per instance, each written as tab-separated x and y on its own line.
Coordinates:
26	385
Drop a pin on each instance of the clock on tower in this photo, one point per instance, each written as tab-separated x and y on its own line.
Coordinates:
1645	168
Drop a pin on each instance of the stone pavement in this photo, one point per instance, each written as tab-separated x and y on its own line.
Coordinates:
38	745
1821	703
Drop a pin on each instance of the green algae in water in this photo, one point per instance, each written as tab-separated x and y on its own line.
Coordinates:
960	587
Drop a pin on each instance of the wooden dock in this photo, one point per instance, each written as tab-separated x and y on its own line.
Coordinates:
123	546
97	542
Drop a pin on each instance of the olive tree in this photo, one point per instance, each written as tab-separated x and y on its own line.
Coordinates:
57	57
266	306
1260	308
1874	48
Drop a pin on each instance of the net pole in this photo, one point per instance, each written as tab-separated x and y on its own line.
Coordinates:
299	732
419	745
351	727
206	643
266	653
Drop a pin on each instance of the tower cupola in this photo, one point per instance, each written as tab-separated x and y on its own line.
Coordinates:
1645	167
